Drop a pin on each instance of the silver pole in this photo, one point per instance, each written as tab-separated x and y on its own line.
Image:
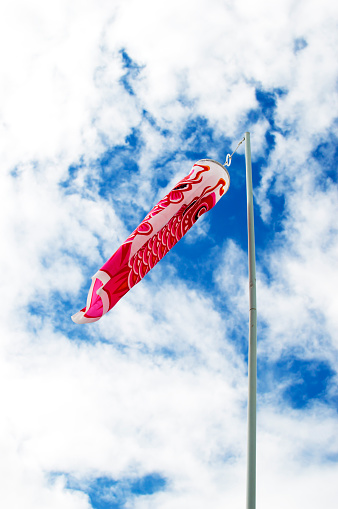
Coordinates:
252	360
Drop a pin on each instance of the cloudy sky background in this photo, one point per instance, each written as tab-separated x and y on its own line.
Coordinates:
104	105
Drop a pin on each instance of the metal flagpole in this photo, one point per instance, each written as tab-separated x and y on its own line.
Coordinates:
252	357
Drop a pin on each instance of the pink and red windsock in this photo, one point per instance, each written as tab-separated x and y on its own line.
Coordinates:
159	231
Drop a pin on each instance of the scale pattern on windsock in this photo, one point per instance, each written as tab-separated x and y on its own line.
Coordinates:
160	230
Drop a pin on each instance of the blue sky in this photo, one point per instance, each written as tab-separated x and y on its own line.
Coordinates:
104	106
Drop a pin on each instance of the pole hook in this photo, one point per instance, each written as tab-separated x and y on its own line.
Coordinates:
229	157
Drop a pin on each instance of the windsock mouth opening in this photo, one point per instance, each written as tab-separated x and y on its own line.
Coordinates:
219	164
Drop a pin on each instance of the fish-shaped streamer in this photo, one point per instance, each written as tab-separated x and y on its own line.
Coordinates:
159	231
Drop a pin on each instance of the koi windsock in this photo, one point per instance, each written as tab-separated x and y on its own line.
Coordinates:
160	230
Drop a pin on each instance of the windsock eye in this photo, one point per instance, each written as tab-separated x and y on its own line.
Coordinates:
181	186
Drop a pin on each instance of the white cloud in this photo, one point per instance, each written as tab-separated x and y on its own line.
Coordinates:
299	302
104	410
